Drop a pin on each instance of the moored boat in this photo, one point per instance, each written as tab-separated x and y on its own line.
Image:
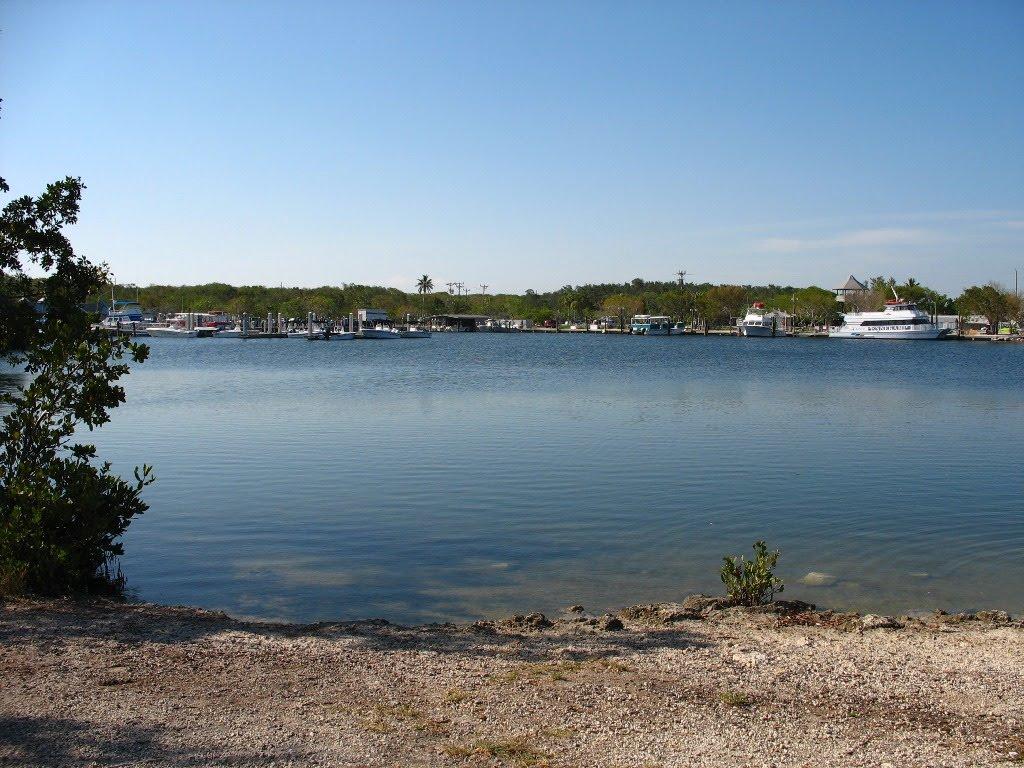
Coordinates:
379	332
899	320
414	332
757	322
650	325
122	323
170	331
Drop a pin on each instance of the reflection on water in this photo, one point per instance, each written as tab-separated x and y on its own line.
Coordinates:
470	475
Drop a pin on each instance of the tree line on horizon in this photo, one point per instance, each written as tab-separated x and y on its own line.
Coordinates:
706	302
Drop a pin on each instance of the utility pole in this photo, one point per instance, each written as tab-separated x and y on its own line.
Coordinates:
483	288
682	277
449	287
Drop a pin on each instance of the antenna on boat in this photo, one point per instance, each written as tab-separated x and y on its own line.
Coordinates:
893	289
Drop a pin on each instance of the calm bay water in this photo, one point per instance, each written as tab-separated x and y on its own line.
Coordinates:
474	475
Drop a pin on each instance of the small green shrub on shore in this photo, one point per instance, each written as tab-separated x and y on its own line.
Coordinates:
752	582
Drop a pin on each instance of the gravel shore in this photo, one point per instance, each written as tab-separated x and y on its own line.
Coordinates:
689	684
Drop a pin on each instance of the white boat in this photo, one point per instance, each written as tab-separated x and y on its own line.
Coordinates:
678	329
494	326
342	335
604	324
314	334
899	320
379	332
650	325
415	332
121	319
170	331
757	323
229	333
123	323
190	325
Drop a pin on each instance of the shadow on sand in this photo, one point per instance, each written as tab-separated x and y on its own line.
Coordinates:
49	741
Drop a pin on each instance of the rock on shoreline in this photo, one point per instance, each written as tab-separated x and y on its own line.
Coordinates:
693	683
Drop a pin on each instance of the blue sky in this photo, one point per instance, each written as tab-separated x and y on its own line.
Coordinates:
526	145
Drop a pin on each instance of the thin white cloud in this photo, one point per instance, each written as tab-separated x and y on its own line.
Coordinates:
860	238
993	215
1016	224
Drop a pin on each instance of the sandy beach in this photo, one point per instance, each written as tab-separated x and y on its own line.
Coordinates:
689	684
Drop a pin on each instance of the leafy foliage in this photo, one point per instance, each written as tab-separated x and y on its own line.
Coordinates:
61	512
752	582
991	302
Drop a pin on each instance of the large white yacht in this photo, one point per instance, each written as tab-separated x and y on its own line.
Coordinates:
899	320
757	323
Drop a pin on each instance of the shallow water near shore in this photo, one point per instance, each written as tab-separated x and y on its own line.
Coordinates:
475	475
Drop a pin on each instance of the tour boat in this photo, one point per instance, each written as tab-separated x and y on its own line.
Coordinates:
899	320
756	322
650	325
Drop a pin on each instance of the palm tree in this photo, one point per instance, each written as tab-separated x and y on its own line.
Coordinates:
423	286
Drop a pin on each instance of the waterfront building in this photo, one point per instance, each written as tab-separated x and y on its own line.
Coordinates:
609	322
458	322
852	286
372	316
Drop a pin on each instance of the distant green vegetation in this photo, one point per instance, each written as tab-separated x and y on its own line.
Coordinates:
705	302
713	303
